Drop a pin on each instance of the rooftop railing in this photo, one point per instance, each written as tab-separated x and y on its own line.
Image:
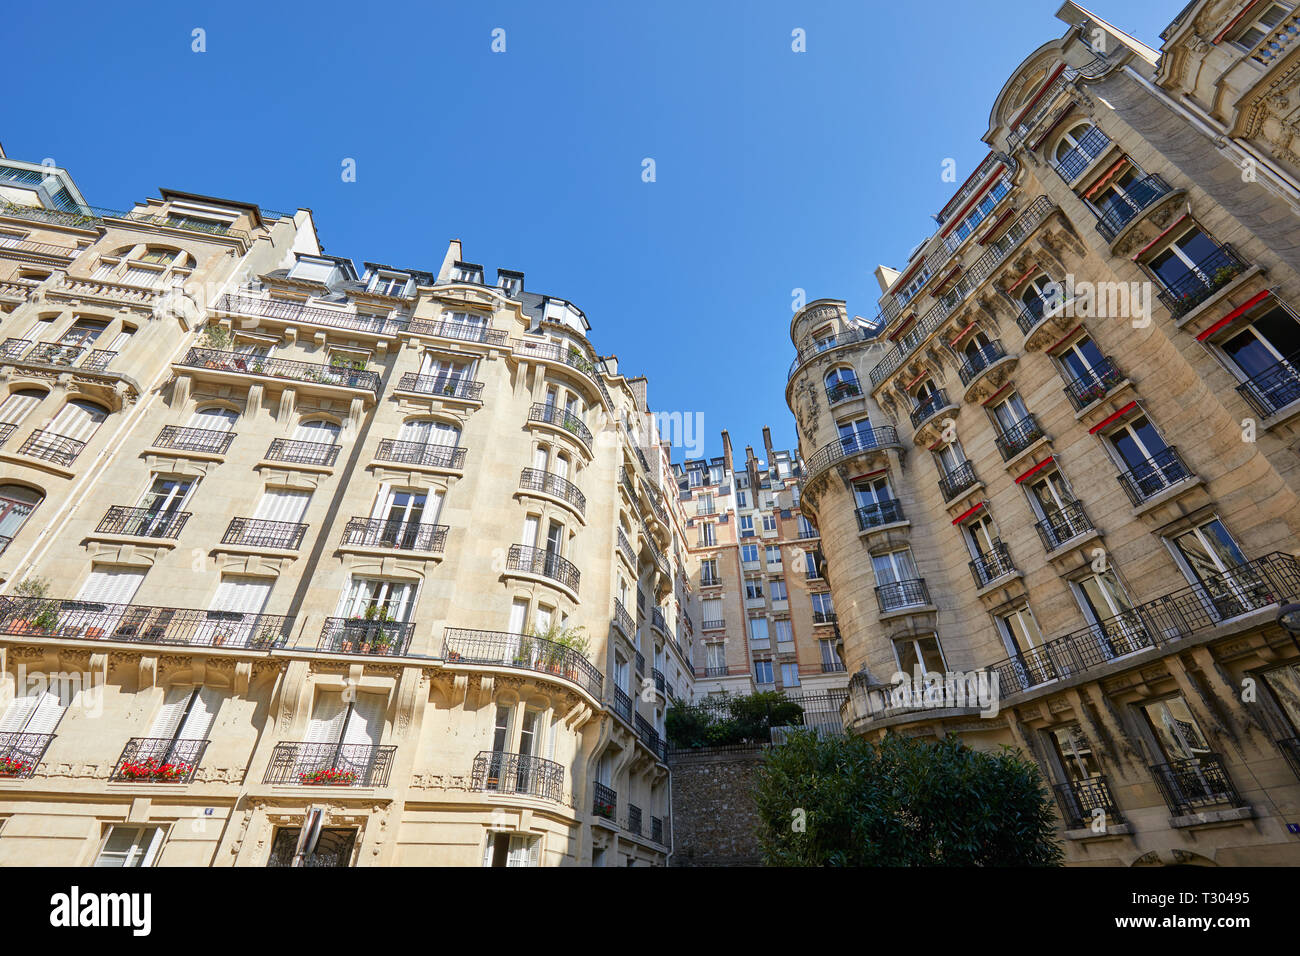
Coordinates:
312	315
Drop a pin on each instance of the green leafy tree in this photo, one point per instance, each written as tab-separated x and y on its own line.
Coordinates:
848	801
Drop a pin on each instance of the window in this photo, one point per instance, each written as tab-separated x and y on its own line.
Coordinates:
1176	731
742	499
389	285
749	553
27	723
763	672
19	404
753	588
806	529
769	522
130	846
512	849
213	419
708	536
333	847
1074	757
905	294
394	597
318	431
822	605
1038	295
715	657
919	653
773	552
893	567
842	383
758	631
234	610
1261	25
784	633
695	478
790	675
778	591
1071	140
78	421
1266	354
282	505
16	503
977	215
1284	683
342	737
747	526
1189	263
159	507
709	573
1150	465
856	434
110	585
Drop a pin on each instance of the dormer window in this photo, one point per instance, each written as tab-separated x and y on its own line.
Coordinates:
510	284
912	288
389	285
464	272
1261	26
196	224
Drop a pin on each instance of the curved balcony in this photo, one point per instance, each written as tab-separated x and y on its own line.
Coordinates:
1154	476
394	535
1140	196
569	355
1086	389
308	764
1274	388
952	483
842	392
444	386
460	331
208	441
898	595
928	416
56	449
523	651
286	369
425	455
1063	526
322	454
142	522
991	565
977	371
884	512
1019	437
874	440
536	479
258	533
520	774
158	760
539	561
560	418
362	635
809	349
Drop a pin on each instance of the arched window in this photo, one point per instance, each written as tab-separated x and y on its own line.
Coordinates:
19	405
842	383
1071	139
78	420
1035	295
214	418
426	431
16	503
317	430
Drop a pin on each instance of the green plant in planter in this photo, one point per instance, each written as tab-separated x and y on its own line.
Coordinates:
41	614
524	653
216	336
1225	274
560	639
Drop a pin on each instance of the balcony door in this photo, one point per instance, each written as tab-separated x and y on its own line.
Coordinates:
78	421
1188	263
235	609
891	570
16	503
343	735
19	404
1144	454
1213	562
159	506
529	745
1050	496
214	419
1009	413
184	721
1030	663
1112	201
1071	141
447	375
99	602
26	725
465	325
83	333
1117	630
980	537
395	599
285	506
1081	359
856	434
1267	353
401	513
1038	294
317	431
871	493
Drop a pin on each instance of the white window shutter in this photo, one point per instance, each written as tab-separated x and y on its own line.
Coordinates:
325	433
19	405
530	531
78	421
214	419
367	723
488	847
534	850
241	593
111	586
280	504
36	712
518	614
326	725
164	725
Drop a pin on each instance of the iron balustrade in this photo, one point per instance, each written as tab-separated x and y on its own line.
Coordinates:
841	391
712	625
657	619
54	353
460	331
523	651
21	753
1274	388
14	348
210	441
886	511
1035	311
1149	478
296	312
538	479
954	482
445	385
604	801
554	415
1195	783
1063	525
6	430
649	736
929	407
1290	747
640	663
158	760
625	547
976	363
1074	162
1018	437
825	617
657	830
1138	197
1029	220
832	667
98	360
658	675
623	704
290	369
360	635
1092	386
303	763
259	533
899	594
428	455
1080	799
810	347
320	453
136	623
522	774
50	447
710	581
1201	281
1239	590
571	355
720	671
877	436
142	522
990	565
634	819
546	563
810	533
623	620
398	535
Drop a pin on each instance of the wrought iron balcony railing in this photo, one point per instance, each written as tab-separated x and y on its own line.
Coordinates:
429	455
1274	388
1253	586
21	753
623	704
554	415
810	347
712	625
878	436
719	670
546	563
361	635
290	369
640	663
1149	478
570	355
142	522
296	312
1196	783
710	581
158	760
842	391
6	430
461	331
604	801
886	511
1063	525
95	620
991	565
649	736
536	479
320	453
1086	389
1080	800
48	446
521	774
825	617
625	547
448	386
524	651
300	763
900	594
398	535
634	819
657	830
954	482
832	667
1069	166
1202	280
1018	437
258	533
929	407
1139	195
623	620
209	441
975	364
658	676
657	619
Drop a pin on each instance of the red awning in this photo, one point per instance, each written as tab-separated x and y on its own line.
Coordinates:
966	514
1106	421
1234	314
1038	467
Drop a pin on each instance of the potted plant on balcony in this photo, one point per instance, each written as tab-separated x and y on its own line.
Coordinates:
602	809
561	645
13	766
215	336
266	640
39	614
152	768
328	776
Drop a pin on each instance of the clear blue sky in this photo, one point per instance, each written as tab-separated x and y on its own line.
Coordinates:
775	170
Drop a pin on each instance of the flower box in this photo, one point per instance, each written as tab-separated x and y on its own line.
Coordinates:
331	776
13	767
152	769
605	810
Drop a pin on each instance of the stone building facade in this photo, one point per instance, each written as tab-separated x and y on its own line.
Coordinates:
353	566
1069	477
